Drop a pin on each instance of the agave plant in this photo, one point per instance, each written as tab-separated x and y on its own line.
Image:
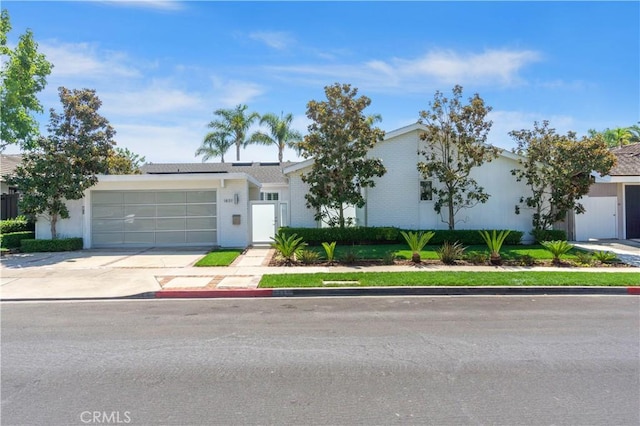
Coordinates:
288	246
494	241
416	242
557	248
450	252
330	249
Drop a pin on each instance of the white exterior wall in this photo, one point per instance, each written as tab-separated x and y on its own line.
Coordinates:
72	227
300	215
228	235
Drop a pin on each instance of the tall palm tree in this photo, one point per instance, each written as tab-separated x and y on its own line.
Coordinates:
235	122
215	144
280	133
635	133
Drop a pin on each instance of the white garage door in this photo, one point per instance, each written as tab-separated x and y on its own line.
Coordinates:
599	219
153	218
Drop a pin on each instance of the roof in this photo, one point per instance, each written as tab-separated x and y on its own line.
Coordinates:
628	160
8	164
262	172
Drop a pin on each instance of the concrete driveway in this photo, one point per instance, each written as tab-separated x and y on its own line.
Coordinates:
112	258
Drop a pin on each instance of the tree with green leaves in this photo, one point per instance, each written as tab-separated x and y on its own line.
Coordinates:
619	136
339	138
23	75
236	122
122	161
280	133
455	140
557	169
215	144
64	164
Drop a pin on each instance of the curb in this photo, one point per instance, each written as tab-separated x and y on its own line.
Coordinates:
352	291
397	291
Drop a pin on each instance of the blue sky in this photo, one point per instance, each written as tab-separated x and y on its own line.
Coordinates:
162	68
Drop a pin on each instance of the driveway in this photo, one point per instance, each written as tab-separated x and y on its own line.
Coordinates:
113	258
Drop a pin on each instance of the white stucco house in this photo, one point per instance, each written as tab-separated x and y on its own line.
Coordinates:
402	198
613	203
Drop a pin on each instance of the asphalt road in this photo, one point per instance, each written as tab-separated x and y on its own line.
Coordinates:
370	361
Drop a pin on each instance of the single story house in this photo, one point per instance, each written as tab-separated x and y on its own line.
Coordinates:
613	203
403	198
196	204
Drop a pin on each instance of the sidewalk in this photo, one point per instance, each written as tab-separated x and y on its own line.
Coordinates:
164	273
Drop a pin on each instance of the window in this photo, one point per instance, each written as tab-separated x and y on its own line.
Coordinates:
269	196
426	190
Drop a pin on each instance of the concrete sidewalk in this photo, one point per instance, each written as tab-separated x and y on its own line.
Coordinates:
170	273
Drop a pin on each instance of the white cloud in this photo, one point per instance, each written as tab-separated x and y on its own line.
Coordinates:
166	5
161	143
274	39
228	93
491	67
158	98
506	121
87	61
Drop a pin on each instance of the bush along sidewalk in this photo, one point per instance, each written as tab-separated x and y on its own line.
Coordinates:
61	244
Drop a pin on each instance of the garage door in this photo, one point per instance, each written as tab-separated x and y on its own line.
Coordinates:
153	218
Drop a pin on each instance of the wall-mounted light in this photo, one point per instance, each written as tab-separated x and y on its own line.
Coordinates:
236	198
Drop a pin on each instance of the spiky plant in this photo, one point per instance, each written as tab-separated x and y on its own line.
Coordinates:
416	242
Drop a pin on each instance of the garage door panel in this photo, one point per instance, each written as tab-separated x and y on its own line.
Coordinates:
201	236
171	211
153	218
201	210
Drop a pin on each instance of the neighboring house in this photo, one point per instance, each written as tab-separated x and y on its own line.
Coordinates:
613	203
9	203
198	204
402	198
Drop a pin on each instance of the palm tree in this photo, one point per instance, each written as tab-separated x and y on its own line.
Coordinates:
236	123
281	133
635	133
215	144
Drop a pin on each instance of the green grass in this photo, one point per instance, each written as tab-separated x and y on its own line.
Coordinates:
374	252
449	278
222	257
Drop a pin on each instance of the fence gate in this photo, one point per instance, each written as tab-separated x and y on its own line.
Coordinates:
9	206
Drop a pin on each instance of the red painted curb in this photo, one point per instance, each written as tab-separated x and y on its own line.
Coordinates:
171	294
633	290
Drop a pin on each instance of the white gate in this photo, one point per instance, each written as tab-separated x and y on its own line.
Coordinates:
263	222
599	219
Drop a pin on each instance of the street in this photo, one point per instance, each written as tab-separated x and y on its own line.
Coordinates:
334	361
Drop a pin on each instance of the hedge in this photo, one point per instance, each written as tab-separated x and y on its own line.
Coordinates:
388	235
62	244
549	235
13	239
19	224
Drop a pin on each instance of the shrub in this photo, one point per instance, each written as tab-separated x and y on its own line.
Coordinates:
14	239
329	250
416	242
351	256
526	260
494	242
557	248
541	235
18	224
605	256
390	235
477	258
308	257
61	244
389	258
584	258
287	246
449	253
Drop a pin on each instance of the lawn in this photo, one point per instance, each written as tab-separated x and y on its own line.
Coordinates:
374	252
222	257
452	278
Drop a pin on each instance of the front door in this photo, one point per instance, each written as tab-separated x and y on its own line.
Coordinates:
263	222
632	210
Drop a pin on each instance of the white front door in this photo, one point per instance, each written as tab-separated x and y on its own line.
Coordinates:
263	222
599	219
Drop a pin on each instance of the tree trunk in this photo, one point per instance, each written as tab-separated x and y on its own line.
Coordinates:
53	219
341	216
222	158
237	152
452	219
280	155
